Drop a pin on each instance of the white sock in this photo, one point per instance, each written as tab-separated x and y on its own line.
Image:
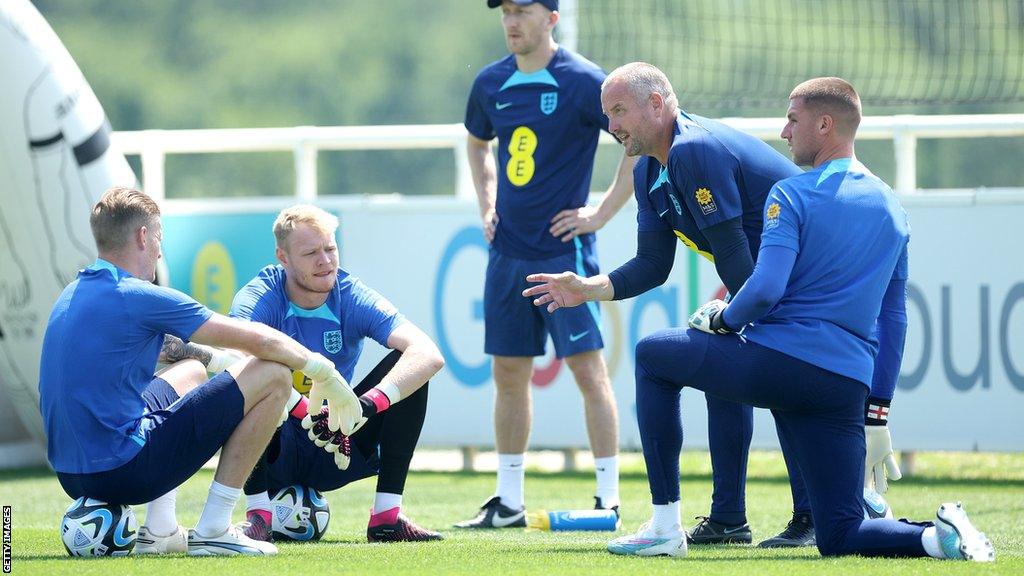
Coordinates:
607	471
930	541
259	501
511	479
384	501
160	517
216	517
666	517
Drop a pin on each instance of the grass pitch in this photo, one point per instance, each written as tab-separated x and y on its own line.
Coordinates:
990	485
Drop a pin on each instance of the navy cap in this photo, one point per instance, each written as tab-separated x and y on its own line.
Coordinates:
549	4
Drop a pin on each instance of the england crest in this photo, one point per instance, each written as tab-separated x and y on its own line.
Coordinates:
332	341
548	102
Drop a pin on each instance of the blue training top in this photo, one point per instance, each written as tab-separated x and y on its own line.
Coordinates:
99	353
715	173
850	234
547	124
353	311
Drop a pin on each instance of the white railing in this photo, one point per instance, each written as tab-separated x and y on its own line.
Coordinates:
306	141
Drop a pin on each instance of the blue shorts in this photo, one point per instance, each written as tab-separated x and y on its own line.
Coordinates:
513	326
297	460
182	434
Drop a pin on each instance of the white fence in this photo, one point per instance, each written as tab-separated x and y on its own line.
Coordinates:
306	141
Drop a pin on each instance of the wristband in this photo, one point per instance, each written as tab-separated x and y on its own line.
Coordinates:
390	390
379	400
876	411
298	405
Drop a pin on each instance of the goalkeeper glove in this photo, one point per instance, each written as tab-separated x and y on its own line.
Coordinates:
879	460
221	359
318	367
345	410
333	442
709	318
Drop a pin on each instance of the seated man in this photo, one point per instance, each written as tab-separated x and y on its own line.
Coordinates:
309	298
115	433
833	257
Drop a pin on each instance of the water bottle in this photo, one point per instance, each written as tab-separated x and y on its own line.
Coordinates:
560	520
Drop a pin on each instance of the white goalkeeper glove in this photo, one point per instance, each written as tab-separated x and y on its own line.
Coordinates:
318	367
344	408
708	318
221	359
879	461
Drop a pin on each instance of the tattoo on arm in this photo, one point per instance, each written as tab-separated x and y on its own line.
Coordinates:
175	350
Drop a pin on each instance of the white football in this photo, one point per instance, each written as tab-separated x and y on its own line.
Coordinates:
94	528
300	513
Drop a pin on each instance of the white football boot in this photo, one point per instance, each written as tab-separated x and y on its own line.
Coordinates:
959	539
649	542
233	542
148	543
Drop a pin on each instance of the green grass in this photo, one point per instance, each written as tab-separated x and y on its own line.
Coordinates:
991	486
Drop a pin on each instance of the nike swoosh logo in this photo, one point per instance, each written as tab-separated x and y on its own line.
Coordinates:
731	530
514	465
575	337
500	521
662	214
502	105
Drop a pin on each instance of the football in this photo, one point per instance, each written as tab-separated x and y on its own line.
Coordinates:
94	528
875	505
300	513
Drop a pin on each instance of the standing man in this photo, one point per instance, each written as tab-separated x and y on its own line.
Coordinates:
310	298
833	256
117	434
703	183
543	104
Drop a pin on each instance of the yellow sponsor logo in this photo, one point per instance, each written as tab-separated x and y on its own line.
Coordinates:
521	146
706	201
213	277
772	216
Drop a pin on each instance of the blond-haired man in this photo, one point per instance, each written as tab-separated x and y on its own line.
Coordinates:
307	296
117	433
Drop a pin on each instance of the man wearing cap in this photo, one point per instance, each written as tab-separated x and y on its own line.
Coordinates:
543	103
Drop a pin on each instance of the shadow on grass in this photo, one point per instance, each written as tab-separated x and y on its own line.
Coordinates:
28	557
44	473
774	479
698	558
35	473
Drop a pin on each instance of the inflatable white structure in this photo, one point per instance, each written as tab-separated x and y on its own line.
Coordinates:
54	164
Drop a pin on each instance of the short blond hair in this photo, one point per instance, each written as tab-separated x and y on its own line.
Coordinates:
120	212
291	217
834	96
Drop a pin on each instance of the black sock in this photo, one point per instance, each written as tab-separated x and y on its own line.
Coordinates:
399	434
